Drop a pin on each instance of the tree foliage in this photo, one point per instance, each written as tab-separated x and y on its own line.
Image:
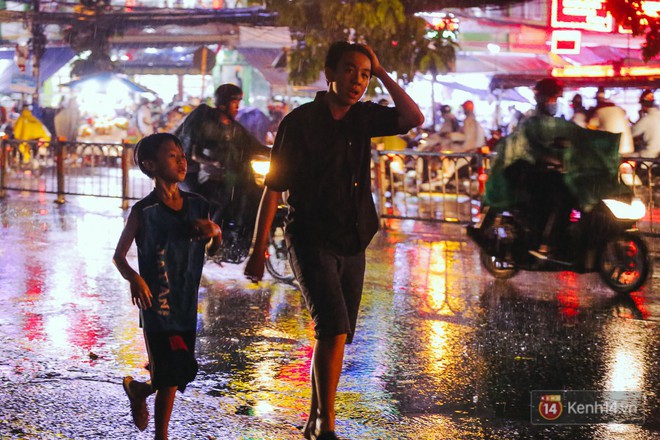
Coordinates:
399	39
630	15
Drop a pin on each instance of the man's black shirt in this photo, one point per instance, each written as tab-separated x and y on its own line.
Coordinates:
324	164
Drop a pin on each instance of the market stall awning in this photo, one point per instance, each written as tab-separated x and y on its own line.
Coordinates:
176	60
508	95
604	55
109	79
54	59
594	66
507	81
506	62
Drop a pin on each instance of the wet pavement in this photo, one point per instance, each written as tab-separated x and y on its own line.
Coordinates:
441	351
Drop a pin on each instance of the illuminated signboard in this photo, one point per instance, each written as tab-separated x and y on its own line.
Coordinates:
589	14
581	14
566	41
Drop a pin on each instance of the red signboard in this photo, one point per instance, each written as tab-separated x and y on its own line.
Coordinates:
581	14
566	41
590	14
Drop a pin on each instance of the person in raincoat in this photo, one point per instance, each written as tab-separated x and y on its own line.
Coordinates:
549	165
29	128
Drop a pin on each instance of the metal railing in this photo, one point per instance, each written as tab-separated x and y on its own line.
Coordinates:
72	168
428	186
414	185
447	187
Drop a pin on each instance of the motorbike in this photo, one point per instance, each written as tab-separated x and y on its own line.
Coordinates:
603	239
237	219
459	169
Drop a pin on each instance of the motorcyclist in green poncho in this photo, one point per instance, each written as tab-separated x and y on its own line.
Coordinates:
549	166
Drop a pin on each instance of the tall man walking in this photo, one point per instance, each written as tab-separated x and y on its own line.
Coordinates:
321	157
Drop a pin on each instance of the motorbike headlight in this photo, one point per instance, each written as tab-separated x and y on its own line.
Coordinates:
634	210
260	167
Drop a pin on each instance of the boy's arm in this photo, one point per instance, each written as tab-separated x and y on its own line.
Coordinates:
409	114
254	268
205	229
140	293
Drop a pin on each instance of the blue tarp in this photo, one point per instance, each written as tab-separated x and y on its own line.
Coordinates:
52	61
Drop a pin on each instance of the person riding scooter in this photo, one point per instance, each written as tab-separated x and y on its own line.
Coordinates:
224	149
533	160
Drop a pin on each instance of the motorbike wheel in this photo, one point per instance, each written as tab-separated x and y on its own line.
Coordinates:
624	263
500	269
277	261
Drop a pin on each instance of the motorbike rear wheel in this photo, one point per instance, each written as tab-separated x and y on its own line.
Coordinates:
277	260
624	263
499	268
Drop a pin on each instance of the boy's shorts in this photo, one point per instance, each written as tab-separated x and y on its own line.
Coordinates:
331	285
171	358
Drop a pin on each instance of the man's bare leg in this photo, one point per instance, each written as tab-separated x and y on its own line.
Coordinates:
310	425
327	363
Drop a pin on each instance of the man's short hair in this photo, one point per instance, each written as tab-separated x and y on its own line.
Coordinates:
548	87
226	93
147	149
339	48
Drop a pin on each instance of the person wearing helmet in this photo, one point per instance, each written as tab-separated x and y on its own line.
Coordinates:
646	130
473	131
530	160
220	150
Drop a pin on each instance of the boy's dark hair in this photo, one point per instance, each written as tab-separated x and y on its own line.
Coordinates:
147	149
339	48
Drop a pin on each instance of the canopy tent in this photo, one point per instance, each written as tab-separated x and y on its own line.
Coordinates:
163	61
507	95
265	61
107	80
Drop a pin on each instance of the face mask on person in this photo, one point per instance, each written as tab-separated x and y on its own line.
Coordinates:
551	108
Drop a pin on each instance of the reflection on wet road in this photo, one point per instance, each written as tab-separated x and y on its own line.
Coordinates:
441	351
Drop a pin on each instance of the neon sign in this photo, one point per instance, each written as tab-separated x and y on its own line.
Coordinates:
581	14
590	14
566	41
599	71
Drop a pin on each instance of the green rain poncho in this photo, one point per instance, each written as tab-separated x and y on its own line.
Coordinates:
590	158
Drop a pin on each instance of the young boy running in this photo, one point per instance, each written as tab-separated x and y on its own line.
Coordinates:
172	230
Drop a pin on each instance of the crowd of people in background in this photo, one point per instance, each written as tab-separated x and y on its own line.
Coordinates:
463	132
458	129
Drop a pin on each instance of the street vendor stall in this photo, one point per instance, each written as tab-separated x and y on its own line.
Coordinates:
107	102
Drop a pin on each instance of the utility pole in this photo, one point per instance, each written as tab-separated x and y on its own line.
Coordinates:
38	46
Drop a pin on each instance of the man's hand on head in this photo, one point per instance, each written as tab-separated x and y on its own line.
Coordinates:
376	68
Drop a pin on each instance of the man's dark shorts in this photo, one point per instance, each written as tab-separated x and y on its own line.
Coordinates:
331	285
171	358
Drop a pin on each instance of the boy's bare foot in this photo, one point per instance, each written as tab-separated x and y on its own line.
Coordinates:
138	402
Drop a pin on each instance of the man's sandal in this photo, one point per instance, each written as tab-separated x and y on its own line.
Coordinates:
139	409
